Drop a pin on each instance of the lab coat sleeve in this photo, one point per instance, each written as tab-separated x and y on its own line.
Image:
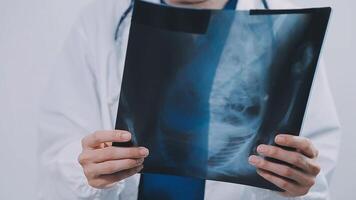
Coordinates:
70	110
321	125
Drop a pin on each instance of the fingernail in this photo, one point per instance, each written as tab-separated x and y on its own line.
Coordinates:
140	161
262	148
280	139
253	160
126	136
144	151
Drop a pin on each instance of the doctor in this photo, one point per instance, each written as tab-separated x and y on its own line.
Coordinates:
79	111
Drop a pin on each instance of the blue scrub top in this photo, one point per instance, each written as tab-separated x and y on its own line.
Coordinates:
230	5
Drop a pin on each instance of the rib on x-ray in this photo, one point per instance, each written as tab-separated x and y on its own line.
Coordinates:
203	88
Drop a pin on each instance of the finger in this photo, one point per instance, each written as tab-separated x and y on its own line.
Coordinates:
294	158
300	143
99	137
106	181
123	174
111	167
282	170
116	153
107	144
284	184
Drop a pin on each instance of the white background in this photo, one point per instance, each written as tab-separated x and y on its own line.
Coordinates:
31	33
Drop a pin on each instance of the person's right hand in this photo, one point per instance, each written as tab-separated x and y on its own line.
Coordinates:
103	164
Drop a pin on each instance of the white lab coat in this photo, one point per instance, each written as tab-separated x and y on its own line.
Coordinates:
82	97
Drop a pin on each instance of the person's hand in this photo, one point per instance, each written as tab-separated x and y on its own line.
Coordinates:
299	177
103	164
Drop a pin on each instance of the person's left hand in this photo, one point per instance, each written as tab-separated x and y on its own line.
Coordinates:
297	179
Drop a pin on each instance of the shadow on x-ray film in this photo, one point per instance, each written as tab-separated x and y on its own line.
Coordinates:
202	88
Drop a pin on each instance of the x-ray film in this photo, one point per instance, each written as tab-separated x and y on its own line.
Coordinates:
203	88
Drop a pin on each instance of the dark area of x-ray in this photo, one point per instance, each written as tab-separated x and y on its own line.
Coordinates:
202	88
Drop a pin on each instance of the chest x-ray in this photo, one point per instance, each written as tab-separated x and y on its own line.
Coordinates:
203	88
